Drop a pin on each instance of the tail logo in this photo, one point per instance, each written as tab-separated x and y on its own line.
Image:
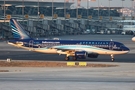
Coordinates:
18	30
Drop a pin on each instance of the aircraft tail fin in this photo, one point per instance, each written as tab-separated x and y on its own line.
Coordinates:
18	30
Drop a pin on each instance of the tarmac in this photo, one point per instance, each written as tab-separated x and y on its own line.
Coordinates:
69	78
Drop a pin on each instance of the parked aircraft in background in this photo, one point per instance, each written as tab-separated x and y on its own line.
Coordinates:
77	49
128	26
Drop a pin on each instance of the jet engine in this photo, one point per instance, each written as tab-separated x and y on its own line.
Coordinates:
93	55
80	54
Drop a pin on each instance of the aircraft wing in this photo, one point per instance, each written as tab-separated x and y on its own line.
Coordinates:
64	49
69	47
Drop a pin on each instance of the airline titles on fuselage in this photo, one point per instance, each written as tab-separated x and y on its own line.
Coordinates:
90	43
47	42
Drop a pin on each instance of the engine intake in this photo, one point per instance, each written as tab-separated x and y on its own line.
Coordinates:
80	54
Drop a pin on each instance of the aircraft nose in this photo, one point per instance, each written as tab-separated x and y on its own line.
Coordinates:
126	49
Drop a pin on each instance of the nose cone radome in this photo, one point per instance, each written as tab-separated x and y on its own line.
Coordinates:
127	49
133	39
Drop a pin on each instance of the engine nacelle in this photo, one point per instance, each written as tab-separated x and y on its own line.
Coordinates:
93	55
80	54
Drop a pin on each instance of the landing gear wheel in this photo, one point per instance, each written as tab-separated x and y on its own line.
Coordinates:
67	58
112	59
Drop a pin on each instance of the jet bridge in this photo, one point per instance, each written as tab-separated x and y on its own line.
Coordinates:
5	30
81	25
38	28
70	27
54	27
40	31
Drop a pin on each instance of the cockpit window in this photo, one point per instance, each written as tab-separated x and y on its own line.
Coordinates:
122	45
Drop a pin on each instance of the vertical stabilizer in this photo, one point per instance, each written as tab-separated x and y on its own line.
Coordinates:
18	30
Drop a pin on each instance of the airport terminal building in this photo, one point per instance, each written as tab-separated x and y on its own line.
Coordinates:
44	18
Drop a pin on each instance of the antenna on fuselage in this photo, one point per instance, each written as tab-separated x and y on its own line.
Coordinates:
111	40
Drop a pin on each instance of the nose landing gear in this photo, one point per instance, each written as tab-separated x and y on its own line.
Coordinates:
112	57
67	58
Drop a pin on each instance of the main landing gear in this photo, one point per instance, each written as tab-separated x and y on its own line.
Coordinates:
112	57
68	58
74	58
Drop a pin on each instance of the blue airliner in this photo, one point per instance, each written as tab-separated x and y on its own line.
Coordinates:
77	49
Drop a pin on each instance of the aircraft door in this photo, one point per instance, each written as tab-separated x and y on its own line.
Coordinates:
31	43
111	44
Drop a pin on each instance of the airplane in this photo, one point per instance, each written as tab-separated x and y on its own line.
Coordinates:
77	49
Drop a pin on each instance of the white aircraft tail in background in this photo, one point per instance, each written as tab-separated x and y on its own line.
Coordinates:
133	39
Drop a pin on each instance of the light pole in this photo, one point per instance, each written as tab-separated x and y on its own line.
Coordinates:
77	10
122	8
98	9
122	15
52	9
87	13
87	8
23	10
64	8
132	17
109	9
38	10
132	8
4	11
